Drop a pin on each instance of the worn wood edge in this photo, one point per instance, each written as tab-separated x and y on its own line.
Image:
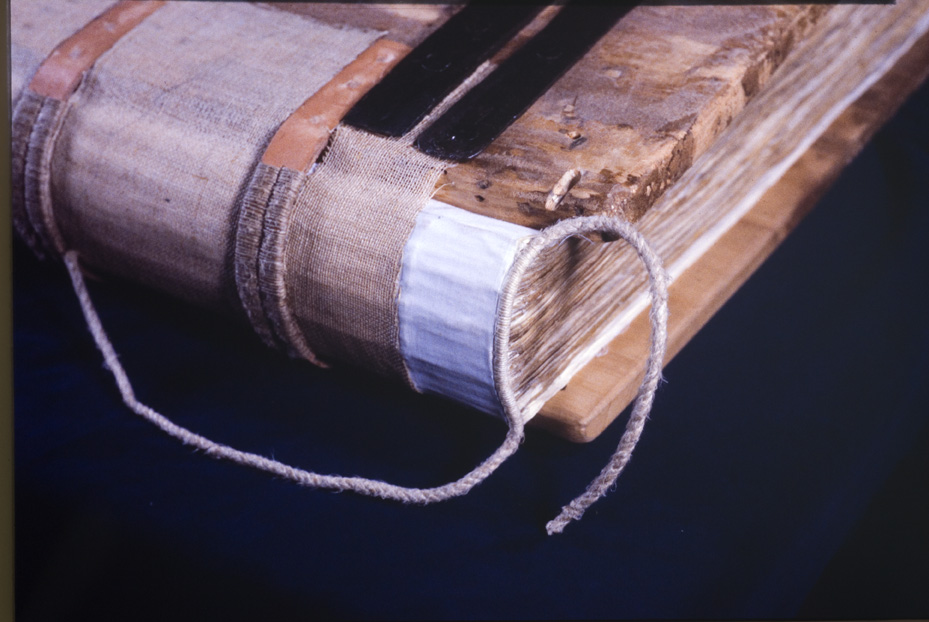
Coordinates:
599	392
856	47
502	183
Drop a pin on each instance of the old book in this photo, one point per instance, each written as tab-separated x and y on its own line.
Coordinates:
196	148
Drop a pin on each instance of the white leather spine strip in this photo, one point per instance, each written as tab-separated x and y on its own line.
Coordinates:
454	265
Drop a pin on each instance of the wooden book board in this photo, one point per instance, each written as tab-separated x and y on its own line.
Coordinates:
598	394
724	70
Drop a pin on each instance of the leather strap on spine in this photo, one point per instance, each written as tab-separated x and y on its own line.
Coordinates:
40	113
60	74
266	208
302	138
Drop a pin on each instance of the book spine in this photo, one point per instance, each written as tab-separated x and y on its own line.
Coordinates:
197	153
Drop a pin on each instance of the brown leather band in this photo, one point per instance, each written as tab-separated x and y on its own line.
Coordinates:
303	136
60	74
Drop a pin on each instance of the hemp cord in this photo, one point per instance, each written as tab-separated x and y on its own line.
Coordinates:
360	485
609	225
658	317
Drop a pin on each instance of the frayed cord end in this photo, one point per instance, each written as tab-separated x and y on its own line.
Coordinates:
556	525
569	513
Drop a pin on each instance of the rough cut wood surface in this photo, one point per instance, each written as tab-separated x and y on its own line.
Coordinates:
633	114
601	390
630	117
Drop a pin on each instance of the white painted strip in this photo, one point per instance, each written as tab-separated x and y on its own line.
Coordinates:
453	268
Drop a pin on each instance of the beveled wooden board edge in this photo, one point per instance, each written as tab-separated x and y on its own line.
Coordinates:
602	390
514	177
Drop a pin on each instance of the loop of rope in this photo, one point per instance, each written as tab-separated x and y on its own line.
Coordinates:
610	225
658	315
361	485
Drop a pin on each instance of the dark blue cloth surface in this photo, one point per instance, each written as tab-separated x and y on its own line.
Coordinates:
778	425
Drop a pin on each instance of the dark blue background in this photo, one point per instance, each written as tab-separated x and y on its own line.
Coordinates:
784	470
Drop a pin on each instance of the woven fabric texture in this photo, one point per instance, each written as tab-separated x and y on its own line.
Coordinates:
165	132
37	26
357	210
272	266
25	116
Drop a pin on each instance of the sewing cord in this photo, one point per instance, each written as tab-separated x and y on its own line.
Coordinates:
360	485
658	317
611	225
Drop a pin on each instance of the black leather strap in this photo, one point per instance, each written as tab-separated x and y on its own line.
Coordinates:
438	65
490	107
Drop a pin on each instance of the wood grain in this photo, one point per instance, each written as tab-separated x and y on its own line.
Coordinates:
633	114
607	384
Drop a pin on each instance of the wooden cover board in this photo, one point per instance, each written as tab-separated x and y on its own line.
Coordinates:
599	393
